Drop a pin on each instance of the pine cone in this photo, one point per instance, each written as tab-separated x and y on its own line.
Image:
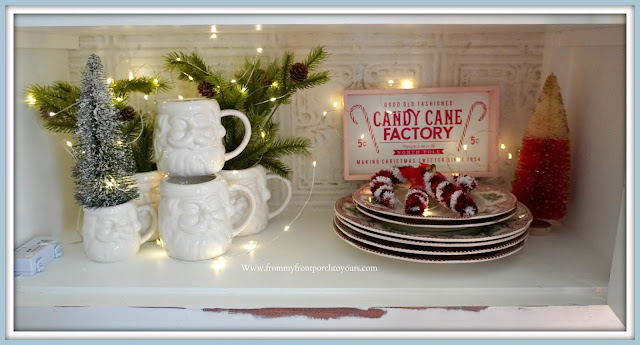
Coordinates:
206	90
298	72
128	113
262	77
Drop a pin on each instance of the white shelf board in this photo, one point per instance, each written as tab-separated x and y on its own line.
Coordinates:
558	269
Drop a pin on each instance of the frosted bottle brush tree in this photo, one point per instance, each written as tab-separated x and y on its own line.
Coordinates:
258	91
104	164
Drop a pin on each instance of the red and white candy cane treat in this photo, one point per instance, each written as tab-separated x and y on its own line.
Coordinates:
449	195
416	201
466	182
382	185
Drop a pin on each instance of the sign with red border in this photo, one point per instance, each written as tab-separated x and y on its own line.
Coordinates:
454	128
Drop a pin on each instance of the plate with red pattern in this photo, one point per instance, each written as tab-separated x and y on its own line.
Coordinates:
348	211
426	258
491	200
427	250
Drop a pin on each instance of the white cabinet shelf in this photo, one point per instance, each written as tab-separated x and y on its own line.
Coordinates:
558	269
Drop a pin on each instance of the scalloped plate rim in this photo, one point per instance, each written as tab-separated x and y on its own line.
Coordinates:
506	252
470	251
497	219
390	238
439	218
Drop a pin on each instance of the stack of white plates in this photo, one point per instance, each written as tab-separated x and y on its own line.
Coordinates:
499	229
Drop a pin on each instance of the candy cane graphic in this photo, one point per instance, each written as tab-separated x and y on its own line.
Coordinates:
464	131
366	117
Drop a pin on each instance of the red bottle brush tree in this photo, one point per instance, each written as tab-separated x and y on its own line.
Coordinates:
542	176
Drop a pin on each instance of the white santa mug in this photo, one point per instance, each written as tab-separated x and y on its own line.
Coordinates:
194	216
188	137
114	233
255	179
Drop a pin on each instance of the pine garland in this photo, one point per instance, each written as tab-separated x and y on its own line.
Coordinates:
60	98
257	92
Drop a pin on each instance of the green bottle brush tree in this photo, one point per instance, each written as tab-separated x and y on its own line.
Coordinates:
256	91
57	105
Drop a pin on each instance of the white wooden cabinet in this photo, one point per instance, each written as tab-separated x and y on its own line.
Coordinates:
573	279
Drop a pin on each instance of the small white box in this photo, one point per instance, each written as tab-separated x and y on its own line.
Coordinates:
33	256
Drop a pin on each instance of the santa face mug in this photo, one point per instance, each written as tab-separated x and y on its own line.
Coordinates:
255	179
114	233
188	137
149	187
195	216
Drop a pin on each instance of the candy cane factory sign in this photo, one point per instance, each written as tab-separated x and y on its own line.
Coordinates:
454	128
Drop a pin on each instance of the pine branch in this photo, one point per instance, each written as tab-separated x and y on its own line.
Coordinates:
313	80
142	149
145	85
276	167
189	65
289	146
316	57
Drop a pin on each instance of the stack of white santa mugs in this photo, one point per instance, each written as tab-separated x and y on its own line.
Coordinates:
422	215
195	214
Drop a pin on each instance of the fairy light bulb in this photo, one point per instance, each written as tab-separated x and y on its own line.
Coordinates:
233	81
335	104
219	262
52	114
180	97
259	50
146	97
178	59
502	146
390	82
213	36
155	81
510	156
458	159
274	84
119	142
109	80
314	164
362	136
190	77
213	28
324	113
286	228
258	27
262	134
31	99
244	89
407	84
69	143
130	75
119	99
272	99
464	147
251	245
108	183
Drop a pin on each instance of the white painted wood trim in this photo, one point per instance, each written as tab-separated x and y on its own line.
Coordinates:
600	321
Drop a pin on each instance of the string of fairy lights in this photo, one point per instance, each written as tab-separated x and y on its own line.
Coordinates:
336	107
